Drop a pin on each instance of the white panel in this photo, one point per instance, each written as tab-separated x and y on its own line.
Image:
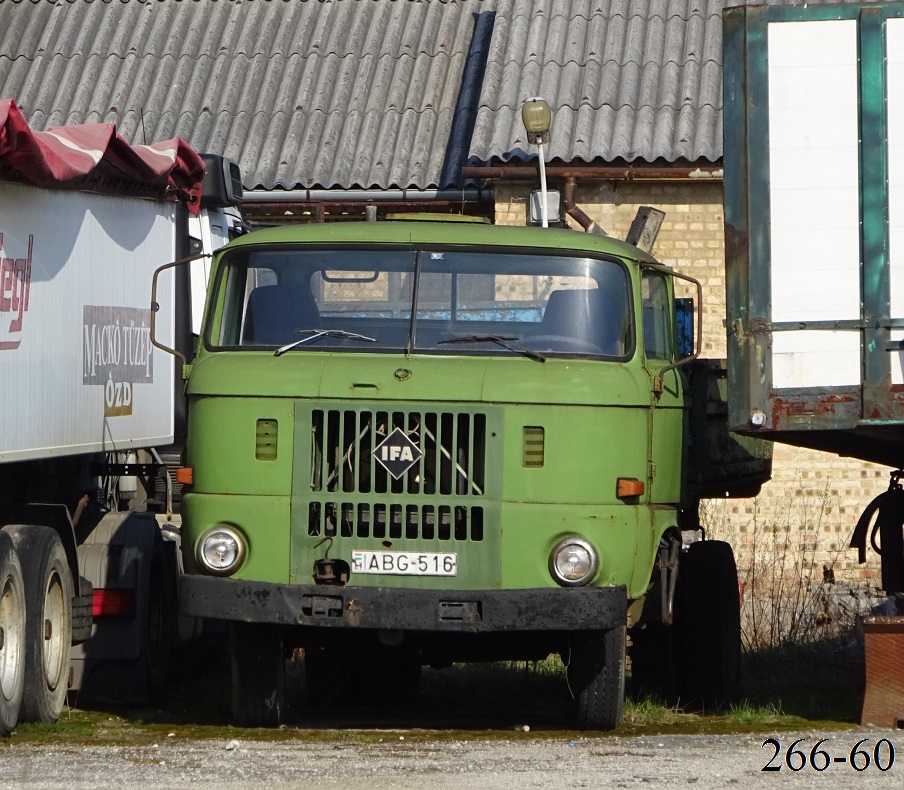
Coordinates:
894	48
83	332
896	358
815	359
814	171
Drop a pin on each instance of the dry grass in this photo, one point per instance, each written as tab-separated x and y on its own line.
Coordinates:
790	593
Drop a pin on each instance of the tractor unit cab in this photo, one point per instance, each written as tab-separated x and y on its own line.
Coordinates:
419	442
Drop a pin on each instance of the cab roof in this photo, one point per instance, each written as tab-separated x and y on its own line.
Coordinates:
420	233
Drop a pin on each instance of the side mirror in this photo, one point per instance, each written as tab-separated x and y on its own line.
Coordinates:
684	316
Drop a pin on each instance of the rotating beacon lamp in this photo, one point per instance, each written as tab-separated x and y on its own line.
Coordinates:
536	117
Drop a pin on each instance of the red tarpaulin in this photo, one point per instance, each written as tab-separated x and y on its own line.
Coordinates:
93	156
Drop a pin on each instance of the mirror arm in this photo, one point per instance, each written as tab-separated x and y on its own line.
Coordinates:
155	305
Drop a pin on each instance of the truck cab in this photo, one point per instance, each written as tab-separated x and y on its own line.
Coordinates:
426	442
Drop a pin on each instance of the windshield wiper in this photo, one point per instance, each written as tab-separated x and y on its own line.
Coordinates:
313	334
499	341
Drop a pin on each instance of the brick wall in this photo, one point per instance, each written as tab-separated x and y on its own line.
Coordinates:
809	509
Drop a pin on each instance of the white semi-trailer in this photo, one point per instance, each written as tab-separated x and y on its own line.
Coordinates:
88	570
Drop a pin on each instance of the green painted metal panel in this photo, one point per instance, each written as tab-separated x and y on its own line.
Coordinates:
875	277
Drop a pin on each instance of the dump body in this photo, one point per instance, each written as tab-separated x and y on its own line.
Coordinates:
80	373
814	189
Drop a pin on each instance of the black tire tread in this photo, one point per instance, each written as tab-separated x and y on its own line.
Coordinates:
596	674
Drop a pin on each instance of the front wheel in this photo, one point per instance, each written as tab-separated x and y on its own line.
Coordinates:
12	635
258	675
48	620
596	676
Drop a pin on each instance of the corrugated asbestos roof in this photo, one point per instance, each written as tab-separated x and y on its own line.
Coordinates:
626	79
365	93
327	94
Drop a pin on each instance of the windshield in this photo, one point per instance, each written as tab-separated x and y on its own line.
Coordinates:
464	302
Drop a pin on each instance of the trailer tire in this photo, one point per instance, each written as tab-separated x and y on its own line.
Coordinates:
709	625
258	675
48	620
596	676
12	635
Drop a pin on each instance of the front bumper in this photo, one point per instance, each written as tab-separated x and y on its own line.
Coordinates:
455	611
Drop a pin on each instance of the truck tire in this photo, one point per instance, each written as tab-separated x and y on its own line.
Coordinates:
156	648
48	620
596	676
258	675
708	618
12	635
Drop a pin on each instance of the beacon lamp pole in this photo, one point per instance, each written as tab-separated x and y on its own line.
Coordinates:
537	118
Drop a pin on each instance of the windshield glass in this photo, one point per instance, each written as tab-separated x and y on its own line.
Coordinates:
488	302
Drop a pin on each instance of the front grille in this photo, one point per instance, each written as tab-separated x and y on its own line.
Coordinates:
438	497
452	447
396	521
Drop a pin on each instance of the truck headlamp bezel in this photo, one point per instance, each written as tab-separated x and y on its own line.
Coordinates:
572	543
222	532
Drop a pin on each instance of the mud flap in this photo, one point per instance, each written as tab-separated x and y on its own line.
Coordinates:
118	556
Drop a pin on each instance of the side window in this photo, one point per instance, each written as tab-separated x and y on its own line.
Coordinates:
657	317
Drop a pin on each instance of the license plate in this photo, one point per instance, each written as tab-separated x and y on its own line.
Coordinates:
404	563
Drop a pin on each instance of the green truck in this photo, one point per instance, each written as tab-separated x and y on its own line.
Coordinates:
414	443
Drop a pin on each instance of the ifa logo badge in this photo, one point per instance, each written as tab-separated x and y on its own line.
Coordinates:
397	453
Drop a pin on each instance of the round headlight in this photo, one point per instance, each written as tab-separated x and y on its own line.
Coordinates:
221	550
573	562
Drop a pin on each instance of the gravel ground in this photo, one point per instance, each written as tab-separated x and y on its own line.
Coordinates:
398	761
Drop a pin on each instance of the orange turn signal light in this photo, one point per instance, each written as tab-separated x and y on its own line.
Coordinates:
185	475
628	487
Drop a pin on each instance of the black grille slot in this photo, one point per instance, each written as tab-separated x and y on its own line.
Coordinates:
395	521
452	448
